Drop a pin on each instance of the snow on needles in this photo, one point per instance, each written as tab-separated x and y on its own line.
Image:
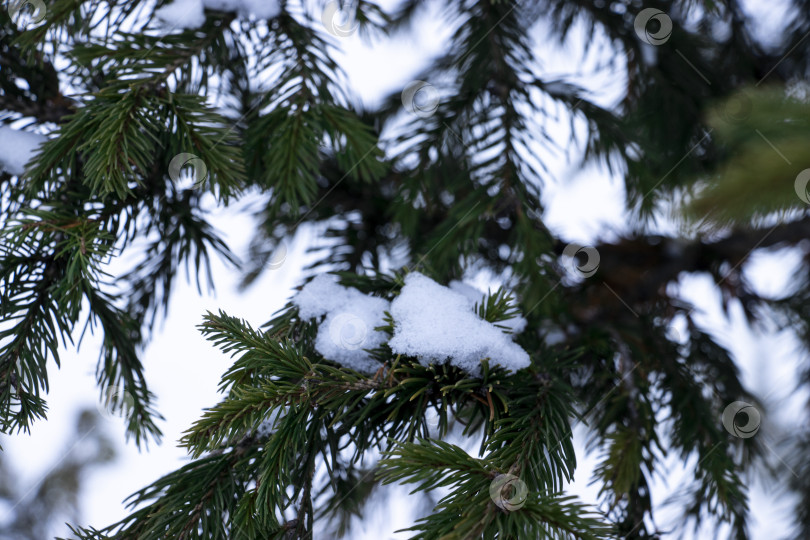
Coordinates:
17	148
182	14
349	324
436	324
515	325
431	322
189	13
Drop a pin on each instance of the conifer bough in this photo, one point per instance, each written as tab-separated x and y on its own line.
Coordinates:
477	399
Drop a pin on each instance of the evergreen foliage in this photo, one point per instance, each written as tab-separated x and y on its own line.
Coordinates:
712	126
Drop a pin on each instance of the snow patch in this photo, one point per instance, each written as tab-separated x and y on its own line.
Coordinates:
189	13
436	324
515	325
263	9
182	14
348	328
468	291
17	148
431	322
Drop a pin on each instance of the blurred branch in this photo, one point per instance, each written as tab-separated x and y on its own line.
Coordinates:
638	269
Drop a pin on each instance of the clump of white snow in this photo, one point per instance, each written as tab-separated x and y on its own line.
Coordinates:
431	322
468	291
17	148
348	328
189	13
263	9
515	325
436	324
182	14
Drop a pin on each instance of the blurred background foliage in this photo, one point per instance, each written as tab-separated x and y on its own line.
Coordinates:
33	511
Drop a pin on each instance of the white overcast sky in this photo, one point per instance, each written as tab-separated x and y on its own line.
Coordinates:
183	370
